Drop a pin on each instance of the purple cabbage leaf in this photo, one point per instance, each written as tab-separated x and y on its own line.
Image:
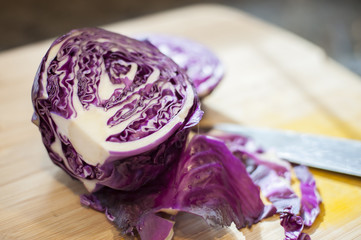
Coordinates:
310	207
293	225
273	176
253	155
267	171
276	189
207	181
311	198
203	67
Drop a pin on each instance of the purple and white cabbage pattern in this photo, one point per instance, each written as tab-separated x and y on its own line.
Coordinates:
207	181
310	198
219	177
112	110
273	176
115	113
203	67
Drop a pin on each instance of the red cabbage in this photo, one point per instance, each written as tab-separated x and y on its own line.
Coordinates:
276	189
155	228
272	175
267	171
292	224
310	197
207	181
253	155
201	64
212	181
112	111
304	236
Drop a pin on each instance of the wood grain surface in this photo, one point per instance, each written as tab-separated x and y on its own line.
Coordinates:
273	79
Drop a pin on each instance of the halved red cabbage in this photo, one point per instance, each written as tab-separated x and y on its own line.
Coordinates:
116	112
202	66
112	111
207	181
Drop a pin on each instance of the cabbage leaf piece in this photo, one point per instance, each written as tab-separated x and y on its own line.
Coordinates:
293	225
267	171
207	181
272	175
311	198
276	189
203	67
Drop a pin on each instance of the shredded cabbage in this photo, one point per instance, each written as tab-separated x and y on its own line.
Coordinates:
207	181
311	198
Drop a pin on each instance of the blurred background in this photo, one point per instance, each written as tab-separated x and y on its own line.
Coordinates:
334	25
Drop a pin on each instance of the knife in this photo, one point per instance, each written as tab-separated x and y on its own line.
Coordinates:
329	153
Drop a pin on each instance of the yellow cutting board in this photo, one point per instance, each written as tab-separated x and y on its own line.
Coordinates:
273	79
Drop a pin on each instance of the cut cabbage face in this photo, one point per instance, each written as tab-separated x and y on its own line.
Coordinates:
113	111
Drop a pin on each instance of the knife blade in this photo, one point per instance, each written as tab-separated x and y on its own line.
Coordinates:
329	153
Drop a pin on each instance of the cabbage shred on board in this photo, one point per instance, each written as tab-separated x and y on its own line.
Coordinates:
207	181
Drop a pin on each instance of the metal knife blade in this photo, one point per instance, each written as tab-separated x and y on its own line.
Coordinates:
329	153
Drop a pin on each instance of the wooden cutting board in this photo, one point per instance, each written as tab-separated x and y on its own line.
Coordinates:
273	79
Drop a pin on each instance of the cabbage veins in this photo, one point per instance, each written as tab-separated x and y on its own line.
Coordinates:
207	181
203	67
113	111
